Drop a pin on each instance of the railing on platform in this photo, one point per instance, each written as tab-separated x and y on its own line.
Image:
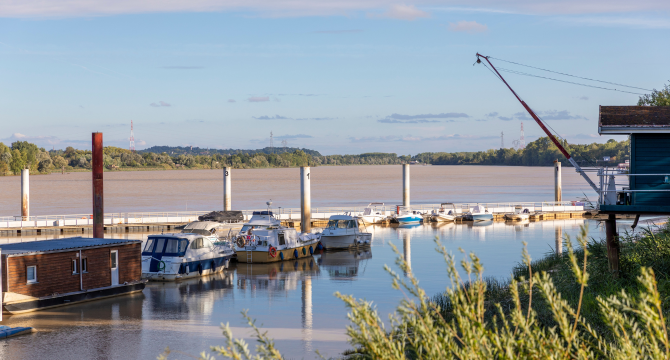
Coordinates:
280	213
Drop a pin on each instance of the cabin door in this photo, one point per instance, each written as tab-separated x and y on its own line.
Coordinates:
115	267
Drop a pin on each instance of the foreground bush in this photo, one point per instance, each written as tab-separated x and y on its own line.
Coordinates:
422	329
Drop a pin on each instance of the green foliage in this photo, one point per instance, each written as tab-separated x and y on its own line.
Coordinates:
541	152
656	98
458	327
17	163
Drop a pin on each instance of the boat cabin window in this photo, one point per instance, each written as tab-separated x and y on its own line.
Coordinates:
197	244
342	224
149	247
332	224
172	246
206	243
352	224
31	274
160	245
281	239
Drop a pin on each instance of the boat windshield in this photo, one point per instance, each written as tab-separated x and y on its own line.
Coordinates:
246	228
165	246
341	224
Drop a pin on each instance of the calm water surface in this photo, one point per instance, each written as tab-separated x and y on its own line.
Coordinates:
293	300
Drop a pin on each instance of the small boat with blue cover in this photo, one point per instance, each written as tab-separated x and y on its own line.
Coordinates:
169	257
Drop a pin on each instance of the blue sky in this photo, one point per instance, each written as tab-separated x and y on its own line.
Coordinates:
335	76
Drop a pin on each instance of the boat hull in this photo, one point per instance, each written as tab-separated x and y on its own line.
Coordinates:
48	302
346	241
263	256
518	217
191	269
409	219
443	218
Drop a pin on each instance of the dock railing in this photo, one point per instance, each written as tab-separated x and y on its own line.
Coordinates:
129	218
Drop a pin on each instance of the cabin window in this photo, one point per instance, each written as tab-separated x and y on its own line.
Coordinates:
160	243
332	224
74	266
172	246
31	274
206	243
281	239
182	246
352	224
342	224
84	265
197	244
150	246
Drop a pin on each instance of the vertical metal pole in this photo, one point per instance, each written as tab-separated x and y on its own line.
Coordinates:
612	245
558	192
227	192
405	185
98	203
559	240
305	200
25	194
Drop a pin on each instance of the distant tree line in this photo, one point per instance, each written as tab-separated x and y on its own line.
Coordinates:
541	152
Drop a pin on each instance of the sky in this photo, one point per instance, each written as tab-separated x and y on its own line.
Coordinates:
340	77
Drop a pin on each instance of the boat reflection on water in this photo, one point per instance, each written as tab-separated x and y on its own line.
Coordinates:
344	264
181	295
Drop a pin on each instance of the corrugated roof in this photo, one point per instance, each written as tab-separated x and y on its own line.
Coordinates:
60	244
633	119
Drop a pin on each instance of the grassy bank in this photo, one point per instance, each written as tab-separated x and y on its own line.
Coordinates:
650	249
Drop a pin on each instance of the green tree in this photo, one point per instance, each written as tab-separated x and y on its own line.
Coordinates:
59	162
656	98
18	163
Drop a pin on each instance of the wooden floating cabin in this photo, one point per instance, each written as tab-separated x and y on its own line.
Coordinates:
648	176
39	275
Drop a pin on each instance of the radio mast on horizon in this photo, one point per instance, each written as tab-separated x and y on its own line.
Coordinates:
132	137
522	140
272	147
502	140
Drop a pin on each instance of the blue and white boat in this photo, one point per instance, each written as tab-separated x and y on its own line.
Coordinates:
407	216
169	257
480	213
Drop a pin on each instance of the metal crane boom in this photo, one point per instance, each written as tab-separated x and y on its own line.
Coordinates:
544	128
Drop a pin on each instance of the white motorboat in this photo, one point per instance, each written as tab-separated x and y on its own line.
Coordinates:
342	232
374	213
407	216
444	213
168	257
479	213
518	214
263	239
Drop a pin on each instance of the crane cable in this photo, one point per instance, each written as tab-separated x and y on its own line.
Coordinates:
538	116
564	74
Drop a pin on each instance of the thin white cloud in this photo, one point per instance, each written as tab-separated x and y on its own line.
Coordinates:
471	27
231	100
160	104
636	22
258	99
273	8
276	117
405	12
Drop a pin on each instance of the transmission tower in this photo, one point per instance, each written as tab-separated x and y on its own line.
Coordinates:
502	140
522	140
283	143
132	137
272	147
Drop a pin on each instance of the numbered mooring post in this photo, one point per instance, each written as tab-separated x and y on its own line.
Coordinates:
227	192
98	198
25	194
559	240
558	192
305	200
405	185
